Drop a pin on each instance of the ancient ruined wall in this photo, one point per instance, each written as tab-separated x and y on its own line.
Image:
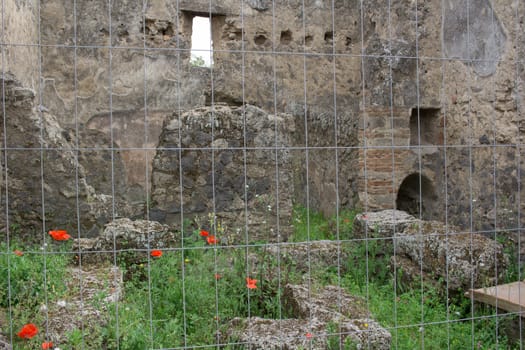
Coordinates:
234	162
280	60
444	73
49	185
286	62
126	91
465	90
483	102
400	109
20	35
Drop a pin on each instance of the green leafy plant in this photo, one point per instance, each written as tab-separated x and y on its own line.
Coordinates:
189	295
197	61
30	277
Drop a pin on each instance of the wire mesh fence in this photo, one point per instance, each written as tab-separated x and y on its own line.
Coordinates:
256	174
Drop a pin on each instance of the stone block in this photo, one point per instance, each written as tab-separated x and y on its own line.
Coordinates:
461	259
382	224
314	313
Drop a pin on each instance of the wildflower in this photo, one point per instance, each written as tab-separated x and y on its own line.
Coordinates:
204	233
187	261
309	335
156	253
251	283
365	325
18	252
47	345
212	240
59	235
217	276
28	331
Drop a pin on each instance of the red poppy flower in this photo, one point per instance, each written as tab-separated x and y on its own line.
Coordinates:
156	253
217	276
47	345
309	335
59	235
251	283
18	252
204	233
28	331
212	239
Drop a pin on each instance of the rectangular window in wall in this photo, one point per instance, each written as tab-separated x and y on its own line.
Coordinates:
201	42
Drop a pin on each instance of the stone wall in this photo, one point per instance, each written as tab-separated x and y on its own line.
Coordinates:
234	162
400	161
417	76
48	184
272	73
20	35
468	91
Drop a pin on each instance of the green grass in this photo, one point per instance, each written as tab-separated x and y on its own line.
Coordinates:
183	303
315	226
176	300
26	283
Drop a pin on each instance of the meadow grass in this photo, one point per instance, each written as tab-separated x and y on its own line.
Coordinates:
187	297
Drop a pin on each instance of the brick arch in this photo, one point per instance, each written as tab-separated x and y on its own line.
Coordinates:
416	193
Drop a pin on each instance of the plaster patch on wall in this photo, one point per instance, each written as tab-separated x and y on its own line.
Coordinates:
472	32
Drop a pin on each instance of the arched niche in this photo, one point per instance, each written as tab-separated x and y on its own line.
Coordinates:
416	193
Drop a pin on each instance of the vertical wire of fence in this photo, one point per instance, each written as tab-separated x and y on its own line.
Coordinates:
337	175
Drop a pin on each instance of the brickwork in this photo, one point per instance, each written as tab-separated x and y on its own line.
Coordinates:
382	167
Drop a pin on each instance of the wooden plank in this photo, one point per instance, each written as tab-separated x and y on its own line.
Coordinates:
509	297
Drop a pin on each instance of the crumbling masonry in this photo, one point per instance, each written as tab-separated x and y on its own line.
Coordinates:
396	107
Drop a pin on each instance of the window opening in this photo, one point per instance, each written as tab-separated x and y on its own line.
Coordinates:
201	42
428	131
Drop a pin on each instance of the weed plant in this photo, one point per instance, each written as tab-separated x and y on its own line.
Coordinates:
187	297
28	281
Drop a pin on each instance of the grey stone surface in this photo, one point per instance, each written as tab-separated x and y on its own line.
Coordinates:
126	234
473	33
462	260
200	159
4	343
382	224
47	186
260	5
314	312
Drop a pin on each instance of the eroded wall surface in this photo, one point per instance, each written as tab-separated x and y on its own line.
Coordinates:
460	62
20	37
359	75
277	57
